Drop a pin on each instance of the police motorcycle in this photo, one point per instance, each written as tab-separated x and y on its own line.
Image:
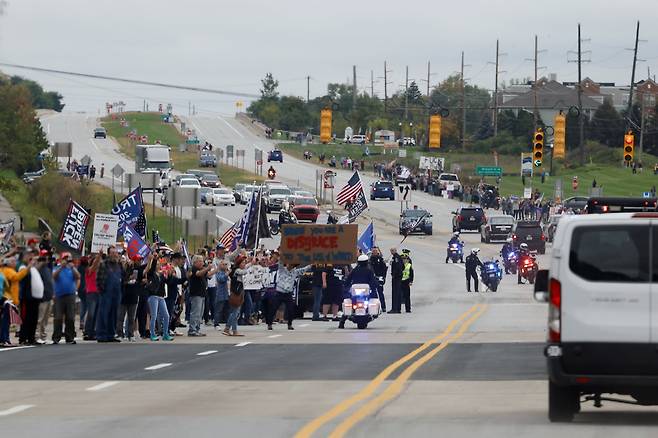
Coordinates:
527	265
285	217
361	307
491	274
456	251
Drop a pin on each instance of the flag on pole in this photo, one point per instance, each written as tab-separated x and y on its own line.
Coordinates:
188	263
131	212
350	190
367	239
228	238
135	244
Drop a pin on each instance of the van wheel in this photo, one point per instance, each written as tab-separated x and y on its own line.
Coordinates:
563	403
362	325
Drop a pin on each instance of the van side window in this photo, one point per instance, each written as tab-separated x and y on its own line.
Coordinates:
612	253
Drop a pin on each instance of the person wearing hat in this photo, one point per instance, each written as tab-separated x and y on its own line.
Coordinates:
67	280
407	279
472	262
362	274
13	278
397	266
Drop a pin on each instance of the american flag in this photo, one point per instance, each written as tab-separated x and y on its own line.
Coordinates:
350	190
229	236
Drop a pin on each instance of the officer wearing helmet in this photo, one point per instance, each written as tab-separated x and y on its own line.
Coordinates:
524	253
472	262
362	274
454	240
507	248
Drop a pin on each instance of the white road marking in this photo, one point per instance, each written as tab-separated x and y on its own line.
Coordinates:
158	366
15	410
102	386
16	348
95	145
206	353
196	128
230	126
242	344
304	325
275	336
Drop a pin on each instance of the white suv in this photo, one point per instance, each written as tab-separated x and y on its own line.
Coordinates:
602	311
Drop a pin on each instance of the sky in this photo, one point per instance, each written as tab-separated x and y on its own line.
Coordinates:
231	45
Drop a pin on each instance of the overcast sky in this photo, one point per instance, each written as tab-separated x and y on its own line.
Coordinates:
231	45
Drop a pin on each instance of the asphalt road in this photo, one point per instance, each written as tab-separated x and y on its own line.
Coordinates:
459	365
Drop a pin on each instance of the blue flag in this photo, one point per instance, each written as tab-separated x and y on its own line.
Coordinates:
248	217
135	244
367	240
131	212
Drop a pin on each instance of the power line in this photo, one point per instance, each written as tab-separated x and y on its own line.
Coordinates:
132	81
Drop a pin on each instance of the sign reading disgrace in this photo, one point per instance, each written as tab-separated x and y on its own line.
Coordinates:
308	243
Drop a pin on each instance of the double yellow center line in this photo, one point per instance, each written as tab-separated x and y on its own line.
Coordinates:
395	387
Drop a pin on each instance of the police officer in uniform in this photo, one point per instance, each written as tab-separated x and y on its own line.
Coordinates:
362	274
378	266
507	248
407	279
397	266
472	262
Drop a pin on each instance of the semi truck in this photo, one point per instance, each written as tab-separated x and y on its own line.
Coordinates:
152	157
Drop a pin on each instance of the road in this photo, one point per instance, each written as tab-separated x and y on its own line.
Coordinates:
460	365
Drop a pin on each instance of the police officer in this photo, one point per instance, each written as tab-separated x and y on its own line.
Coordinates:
407	279
472	262
524	252
397	266
362	274
378	266
505	251
454	240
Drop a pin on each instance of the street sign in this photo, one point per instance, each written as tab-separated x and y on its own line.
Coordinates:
402	153
229	151
537	163
489	171
527	192
117	171
62	149
85	161
239	153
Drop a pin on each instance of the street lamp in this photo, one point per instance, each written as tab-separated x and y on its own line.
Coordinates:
401	133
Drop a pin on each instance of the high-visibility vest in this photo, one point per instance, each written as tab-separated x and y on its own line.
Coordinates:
406	273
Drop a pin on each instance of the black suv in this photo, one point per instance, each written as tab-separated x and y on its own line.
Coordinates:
468	218
531	233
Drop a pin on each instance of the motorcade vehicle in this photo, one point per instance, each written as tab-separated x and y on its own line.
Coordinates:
210	180
600	287
181	176
575	203
305	208
491	274
199	173
496	228
207	160
456	252
275	196
531	233
489	196
620	205
100	133
511	261
415	220
361	308
275	155
382	189
468	218
527	268
222	196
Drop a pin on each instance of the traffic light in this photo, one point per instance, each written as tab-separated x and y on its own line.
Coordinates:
271	173
629	146
435	131
538	147
325	126
559	135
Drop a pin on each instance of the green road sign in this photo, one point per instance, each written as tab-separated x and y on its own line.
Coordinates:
489	171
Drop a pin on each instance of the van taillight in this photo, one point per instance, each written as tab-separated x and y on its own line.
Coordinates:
543	237
460	218
554	310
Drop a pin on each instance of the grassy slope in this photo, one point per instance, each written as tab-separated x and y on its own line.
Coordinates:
616	181
150	124
27	202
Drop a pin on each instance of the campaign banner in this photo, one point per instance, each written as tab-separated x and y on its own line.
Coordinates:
357	206
104	233
135	245
131	212
74	227
311	243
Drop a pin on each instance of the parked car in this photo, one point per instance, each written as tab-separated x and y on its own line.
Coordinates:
275	196
210	180
529	232
468	218
407	141
189	183
357	139
208	160
447	180
181	176
222	196
100	133
275	155
602	326
496	228
382	189
305	208
205	195
29	177
575	202
410	222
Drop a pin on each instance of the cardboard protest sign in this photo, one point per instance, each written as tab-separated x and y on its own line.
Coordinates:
104	233
310	243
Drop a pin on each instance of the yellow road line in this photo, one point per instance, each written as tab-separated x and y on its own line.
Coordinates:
311	427
397	386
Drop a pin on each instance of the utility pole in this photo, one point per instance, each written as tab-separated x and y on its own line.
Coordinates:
535	110
308	88
354	91
641	144
385	89
406	94
581	119
495	114
372	83
629	112
428	79
463	98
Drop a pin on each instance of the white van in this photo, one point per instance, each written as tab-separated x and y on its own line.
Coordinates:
357	139
602	295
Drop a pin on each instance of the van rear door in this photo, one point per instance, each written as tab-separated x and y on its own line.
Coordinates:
606	293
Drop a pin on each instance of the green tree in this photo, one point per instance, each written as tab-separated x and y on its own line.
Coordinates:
607	126
270	87
414	95
40	99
